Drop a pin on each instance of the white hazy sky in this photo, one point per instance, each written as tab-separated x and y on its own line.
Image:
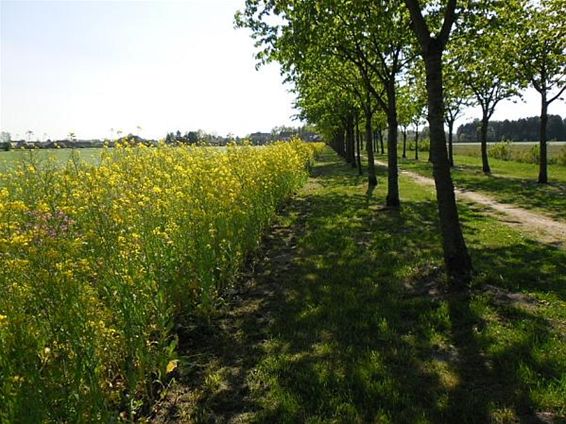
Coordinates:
88	66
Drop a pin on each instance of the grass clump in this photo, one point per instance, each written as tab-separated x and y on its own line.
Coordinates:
501	150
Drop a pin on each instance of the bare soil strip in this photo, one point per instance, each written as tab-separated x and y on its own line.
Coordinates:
213	386
542	228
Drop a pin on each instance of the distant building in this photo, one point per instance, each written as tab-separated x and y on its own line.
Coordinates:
286	135
260	138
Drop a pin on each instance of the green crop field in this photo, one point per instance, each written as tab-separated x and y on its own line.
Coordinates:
10	158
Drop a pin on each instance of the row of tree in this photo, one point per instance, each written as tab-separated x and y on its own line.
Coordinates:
189	137
524	129
362	65
282	132
199	137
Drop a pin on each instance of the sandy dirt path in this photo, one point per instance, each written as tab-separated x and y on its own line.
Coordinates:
538	226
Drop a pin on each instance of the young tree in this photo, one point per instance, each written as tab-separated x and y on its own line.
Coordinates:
405	111
416	83
485	66
542	51
381	125
418	120
432	45
456	97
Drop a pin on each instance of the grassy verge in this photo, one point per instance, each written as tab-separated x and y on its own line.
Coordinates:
510	182
346	320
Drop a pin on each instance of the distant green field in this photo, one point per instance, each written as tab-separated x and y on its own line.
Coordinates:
8	160
518	149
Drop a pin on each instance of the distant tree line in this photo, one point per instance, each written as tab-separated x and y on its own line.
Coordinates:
189	137
524	129
282	132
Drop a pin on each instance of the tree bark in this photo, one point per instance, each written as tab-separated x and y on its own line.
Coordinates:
543	160
392	199
456	257
450	145
483	140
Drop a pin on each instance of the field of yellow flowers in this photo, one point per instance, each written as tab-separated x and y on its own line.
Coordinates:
97	263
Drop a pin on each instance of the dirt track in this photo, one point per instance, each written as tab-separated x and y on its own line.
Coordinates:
539	226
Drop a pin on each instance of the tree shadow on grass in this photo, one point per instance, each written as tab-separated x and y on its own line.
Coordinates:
526	265
496	377
351	345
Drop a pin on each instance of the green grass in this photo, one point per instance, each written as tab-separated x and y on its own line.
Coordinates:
358	327
9	159
510	182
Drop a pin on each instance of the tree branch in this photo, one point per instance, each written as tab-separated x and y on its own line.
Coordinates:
449	17
557	95
419	23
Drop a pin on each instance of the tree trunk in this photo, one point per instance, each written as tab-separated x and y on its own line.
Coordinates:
483	140
392	199
450	146
456	257
358	144
404	142
380	135
417	143
372	179
374	141
543	168
339	143
350	148
334	142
